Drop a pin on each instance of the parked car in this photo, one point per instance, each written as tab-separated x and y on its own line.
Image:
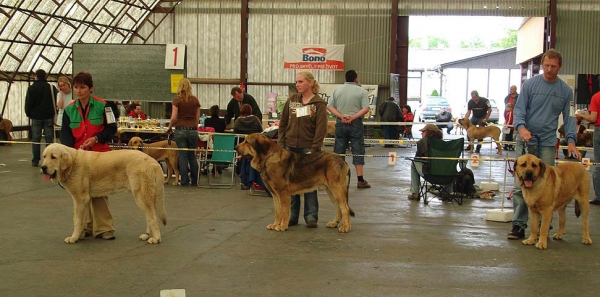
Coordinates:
430	107
494	116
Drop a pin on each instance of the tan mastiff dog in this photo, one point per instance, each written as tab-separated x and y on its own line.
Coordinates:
549	188
86	174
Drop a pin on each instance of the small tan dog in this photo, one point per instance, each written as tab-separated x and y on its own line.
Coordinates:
549	188
480	133
331	129
457	127
170	155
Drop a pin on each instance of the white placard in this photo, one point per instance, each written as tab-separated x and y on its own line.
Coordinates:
586	163
392	158
175	56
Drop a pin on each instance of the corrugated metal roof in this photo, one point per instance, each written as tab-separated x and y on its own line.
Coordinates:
38	34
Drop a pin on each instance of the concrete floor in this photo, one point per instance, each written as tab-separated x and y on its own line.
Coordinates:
216	244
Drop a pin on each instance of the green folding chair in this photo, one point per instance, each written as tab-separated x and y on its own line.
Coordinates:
439	175
222	156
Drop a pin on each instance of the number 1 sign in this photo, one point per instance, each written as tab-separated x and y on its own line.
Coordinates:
175	56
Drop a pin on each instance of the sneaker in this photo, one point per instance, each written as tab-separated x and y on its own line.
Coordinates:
413	196
311	224
108	235
363	184
244	187
516	233
294	223
257	187
595	202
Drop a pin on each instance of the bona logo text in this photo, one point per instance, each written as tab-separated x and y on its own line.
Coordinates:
314	54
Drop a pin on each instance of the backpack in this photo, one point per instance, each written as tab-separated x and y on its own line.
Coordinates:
465	182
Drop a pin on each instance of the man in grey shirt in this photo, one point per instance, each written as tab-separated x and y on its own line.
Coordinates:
349	103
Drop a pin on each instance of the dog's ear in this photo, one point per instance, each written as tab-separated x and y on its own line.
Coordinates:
65	160
261	144
515	164
542	167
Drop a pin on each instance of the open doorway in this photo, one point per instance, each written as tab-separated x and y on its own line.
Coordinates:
473	44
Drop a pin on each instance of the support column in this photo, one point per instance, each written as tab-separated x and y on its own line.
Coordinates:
244	44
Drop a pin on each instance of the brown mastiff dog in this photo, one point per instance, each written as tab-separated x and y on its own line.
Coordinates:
480	133
286	173
170	155
549	188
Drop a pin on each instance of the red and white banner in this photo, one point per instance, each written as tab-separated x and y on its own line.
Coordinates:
315	56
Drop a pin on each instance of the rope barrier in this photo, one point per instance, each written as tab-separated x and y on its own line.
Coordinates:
371	141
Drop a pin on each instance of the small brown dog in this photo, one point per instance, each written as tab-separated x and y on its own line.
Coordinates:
584	138
6	127
480	133
549	188
170	155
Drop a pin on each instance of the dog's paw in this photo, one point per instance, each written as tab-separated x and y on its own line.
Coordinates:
280	228
71	239
271	226
586	240
558	235
344	229
153	240
542	245
144	236
175	183
529	241
333	224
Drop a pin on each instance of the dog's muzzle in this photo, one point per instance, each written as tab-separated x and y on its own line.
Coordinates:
527	179
45	172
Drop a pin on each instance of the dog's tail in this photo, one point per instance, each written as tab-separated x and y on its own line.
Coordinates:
577	209
159	198
348	191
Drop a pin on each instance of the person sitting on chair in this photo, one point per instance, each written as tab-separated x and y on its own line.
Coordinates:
246	123
408	117
444	117
136	111
429	131
215	121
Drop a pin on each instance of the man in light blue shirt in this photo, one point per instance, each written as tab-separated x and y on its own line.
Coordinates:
349	103
543	98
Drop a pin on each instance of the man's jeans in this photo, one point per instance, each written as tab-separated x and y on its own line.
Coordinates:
311	201
353	133
596	174
36	136
546	153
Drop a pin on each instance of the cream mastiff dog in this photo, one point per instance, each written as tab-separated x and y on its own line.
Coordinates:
86	174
